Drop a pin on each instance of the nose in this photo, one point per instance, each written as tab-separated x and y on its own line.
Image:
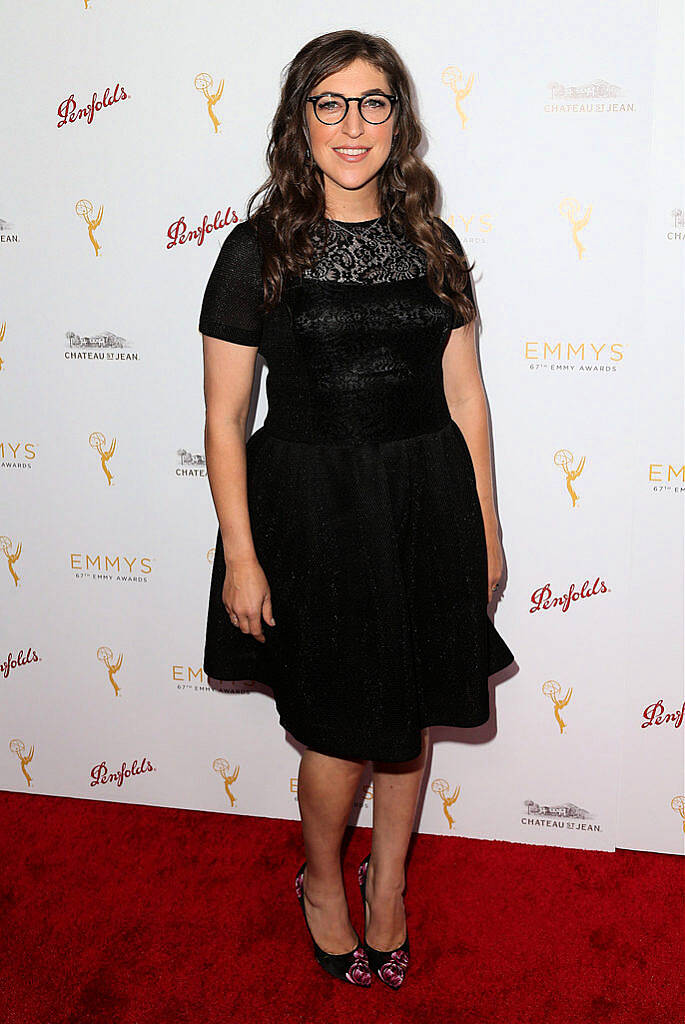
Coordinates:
353	122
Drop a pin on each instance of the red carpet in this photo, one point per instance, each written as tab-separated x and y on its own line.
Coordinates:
118	914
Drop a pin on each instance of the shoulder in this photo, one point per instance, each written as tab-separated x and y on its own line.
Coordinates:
241	241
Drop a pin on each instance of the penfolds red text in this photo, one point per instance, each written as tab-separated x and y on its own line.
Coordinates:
12	661
68	111
542	599
100	773
179	233
654	714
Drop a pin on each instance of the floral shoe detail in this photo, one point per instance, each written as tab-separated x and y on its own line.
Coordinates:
352	967
390	965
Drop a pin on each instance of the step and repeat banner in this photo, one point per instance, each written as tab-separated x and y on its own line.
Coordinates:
131	148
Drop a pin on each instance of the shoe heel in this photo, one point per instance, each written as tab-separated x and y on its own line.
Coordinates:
350	967
389	965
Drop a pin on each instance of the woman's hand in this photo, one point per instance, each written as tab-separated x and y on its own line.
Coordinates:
495	559
246	596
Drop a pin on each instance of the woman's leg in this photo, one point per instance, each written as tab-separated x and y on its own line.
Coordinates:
395	792
325	790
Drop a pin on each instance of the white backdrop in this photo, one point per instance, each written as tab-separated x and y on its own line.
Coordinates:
557	136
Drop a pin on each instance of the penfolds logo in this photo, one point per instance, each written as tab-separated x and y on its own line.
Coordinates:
543	599
180	234
68	111
101	774
12	662
655	714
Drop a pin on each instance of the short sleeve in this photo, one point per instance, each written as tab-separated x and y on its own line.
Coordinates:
456	245
230	305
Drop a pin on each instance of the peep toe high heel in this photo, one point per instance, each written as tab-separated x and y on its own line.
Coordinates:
390	965
353	966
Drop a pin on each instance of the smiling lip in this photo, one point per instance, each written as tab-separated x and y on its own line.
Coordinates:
351	158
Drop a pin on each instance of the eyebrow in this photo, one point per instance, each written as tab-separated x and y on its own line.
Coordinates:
367	92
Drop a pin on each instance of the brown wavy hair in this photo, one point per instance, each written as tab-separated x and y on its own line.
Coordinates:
294	199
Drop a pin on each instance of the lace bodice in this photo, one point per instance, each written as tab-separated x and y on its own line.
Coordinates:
365	252
354	348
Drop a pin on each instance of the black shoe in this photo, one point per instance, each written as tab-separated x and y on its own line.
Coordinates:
390	965
352	967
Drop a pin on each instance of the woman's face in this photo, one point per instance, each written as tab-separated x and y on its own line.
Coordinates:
346	173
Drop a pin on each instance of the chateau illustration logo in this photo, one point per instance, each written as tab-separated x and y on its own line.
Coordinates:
222	767
205	84
677	230
105	346
564	458
453	78
106	656
18	454
543	599
570	209
552	689
595	97
97	442
18	747
190	464
11	556
441	788
563	816
84	209
5	234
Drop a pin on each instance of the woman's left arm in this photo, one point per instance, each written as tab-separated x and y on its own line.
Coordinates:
465	396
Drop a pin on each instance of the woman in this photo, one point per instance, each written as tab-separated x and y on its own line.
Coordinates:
358	543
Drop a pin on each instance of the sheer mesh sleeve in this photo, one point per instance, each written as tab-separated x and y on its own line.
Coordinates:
454	242
234	290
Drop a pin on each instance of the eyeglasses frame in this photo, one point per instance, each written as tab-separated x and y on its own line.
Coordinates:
350	99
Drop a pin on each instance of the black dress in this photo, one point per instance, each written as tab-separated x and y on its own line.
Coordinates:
362	498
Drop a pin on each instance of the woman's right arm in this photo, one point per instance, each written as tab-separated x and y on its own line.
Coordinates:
231	327
228	374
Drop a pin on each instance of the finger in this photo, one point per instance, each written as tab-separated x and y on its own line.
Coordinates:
267	611
256	627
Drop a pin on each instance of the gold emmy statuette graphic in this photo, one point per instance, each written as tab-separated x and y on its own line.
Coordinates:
441	787
84	208
210	555
203	83
570	208
3	326
564	458
552	689
106	655
11	556
678	804
453	77
222	768
18	747
97	441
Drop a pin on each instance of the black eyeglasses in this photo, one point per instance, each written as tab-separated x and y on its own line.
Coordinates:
331	107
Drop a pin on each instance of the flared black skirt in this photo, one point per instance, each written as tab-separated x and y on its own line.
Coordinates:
376	560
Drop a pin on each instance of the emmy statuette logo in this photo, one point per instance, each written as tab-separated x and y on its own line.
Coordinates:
223	768
204	84
453	78
552	689
106	656
84	208
564	458
441	788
